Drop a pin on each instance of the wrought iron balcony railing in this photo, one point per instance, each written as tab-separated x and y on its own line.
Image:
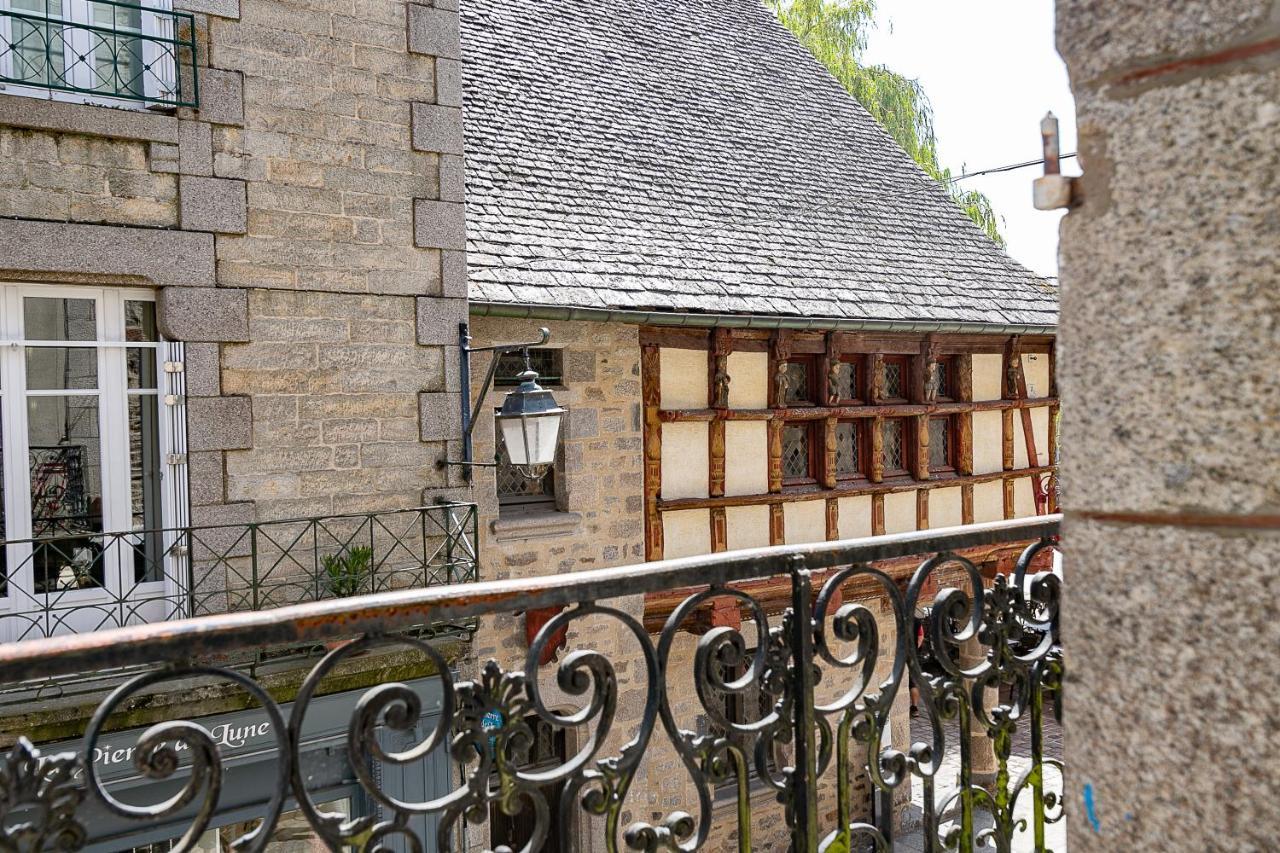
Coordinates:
74	582
102	48
827	670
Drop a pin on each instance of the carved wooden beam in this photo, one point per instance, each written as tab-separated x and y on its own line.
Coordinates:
719	530
1006	436
829	367
779	353
875	378
877	515
777	525
966	503
829	453
1010	510
922	509
721	346
775	455
964	422
921	459
833	519
875	467
716	456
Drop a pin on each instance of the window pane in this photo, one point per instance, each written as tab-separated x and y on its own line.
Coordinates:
117	58
52	319
893	441
55	368
144	485
66	490
795	451
140	321
846	381
798	388
546	362
141	367
514	487
36	45
893	383
941	378
847	461
939	443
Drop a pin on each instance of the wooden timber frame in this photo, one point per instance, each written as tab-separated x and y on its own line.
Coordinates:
915	405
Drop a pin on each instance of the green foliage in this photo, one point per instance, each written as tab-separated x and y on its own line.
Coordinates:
835	32
345	572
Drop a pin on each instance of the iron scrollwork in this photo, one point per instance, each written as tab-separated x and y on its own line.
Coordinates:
824	677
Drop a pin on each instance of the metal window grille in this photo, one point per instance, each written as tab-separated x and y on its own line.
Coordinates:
516	488
795	451
893	439
939	443
847	461
548	363
108	48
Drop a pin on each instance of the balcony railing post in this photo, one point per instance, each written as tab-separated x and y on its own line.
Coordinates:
254	582
804	781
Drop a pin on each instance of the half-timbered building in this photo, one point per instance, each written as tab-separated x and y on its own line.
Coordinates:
767	324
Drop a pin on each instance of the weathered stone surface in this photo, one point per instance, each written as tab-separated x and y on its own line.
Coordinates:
440	415
452	178
213	204
221	96
434	31
195	148
90	252
203	370
1167	636
439	224
448	82
203	314
219	423
205	475
438	320
1107	37
162	158
89	119
220	8
1170	343
437	128
453	276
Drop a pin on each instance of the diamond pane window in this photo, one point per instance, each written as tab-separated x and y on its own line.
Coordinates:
893	379
893	437
547	362
939	444
799	386
848	463
846	381
795	452
941	377
515	488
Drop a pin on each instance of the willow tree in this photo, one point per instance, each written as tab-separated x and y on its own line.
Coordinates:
835	31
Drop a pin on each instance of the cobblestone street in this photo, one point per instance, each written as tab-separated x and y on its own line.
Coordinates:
1019	762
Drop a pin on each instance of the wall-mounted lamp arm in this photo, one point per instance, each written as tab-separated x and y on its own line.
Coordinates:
498	351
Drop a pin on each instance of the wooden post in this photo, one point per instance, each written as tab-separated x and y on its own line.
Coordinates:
922	447
719	530
777	525
922	509
877	514
966	503
829	453
1006	434
650	391
875	470
1010	511
716	457
964	422
718	364
775	455
833	519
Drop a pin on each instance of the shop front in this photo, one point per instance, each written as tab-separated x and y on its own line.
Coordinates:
249	744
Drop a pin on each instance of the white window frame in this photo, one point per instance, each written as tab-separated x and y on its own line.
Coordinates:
79	12
113	393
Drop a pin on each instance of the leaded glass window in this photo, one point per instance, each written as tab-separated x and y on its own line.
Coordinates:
845	376
848	460
516	488
894	443
941	378
547	362
894	380
796	442
799	382
940	444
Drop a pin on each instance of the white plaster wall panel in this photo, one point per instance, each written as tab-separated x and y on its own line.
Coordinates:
1035	369
1040	429
686	533
746	453
946	508
805	521
987	384
748	380
855	517
988	442
685	461
988	501
1024	499
899	512
682	378
748	526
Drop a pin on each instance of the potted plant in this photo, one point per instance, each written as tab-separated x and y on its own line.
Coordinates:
346	572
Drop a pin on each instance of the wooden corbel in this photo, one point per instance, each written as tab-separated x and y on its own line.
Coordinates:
721	346
780	354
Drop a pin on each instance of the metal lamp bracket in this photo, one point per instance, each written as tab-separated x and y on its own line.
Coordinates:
471	415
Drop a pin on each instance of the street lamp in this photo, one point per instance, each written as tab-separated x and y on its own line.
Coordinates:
528	422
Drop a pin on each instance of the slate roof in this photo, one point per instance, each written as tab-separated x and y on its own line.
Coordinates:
691	156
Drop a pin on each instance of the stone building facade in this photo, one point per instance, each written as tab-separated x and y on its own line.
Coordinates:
1170	376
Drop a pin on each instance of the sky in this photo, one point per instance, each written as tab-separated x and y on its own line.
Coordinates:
991	72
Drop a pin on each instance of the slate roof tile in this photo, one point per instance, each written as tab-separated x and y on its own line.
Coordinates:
690	155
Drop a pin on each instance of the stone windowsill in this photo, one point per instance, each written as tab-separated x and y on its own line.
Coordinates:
536	523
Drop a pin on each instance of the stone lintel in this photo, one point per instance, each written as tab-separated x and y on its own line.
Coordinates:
105	253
